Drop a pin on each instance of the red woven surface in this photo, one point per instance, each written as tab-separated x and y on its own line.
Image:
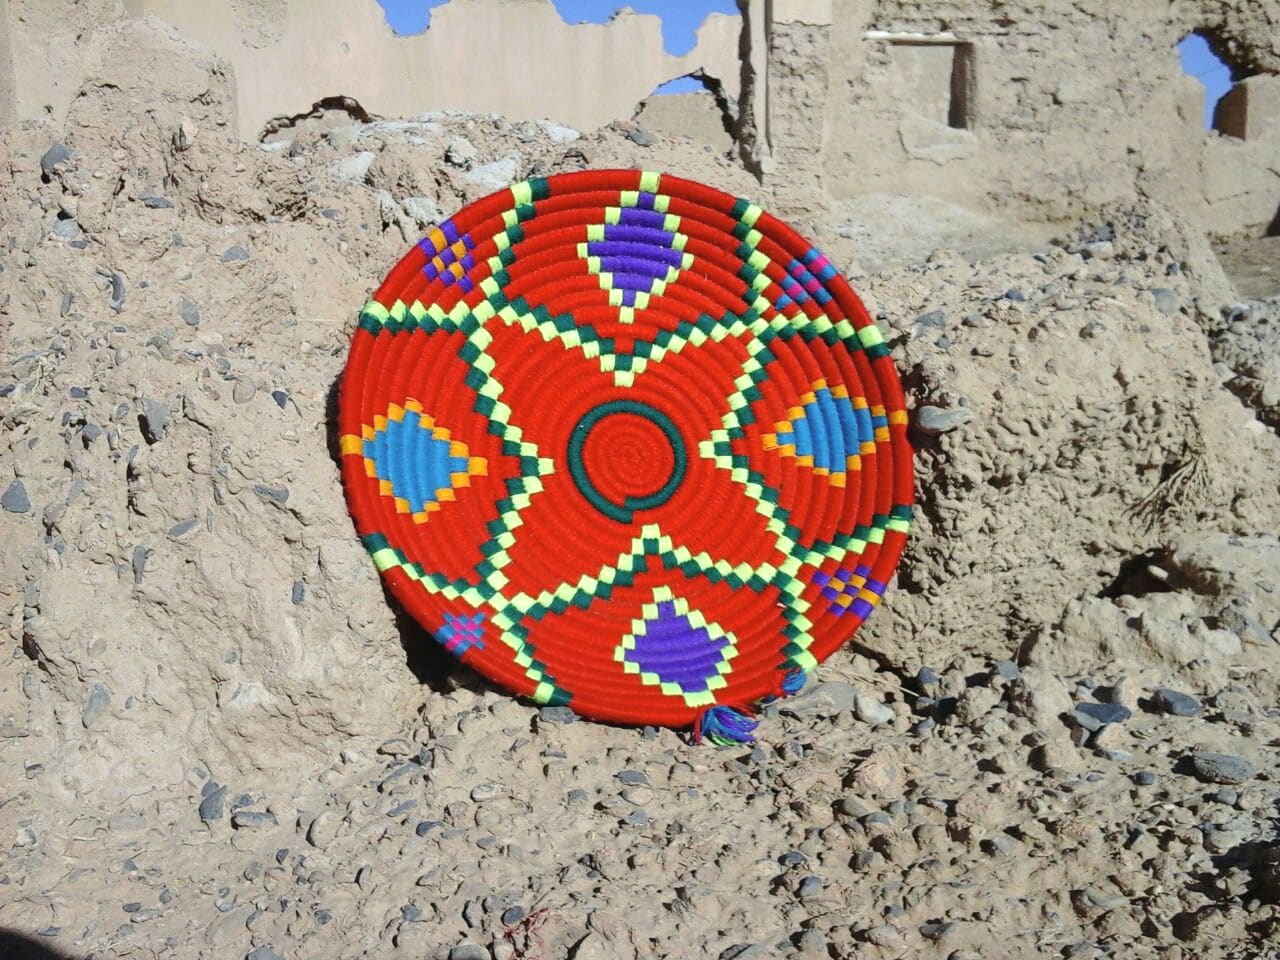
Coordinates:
622	441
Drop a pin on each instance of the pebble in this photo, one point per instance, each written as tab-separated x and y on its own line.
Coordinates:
243	390
469	951
1015	295
636	818
821	699
323	830
298	593
641	137
512	915
870	710
459	152
1008	670
235	254
211	806
1220	768
632	777
262	953
267	492
1176	703
1144	778
189	312
65	228
280	397
1166	300
157	203
1094	716
99	700
810	887
179	530
487	791
563	715
56	155
15	499
938	420
250	819
154	420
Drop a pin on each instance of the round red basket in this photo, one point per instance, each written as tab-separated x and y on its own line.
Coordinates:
624	442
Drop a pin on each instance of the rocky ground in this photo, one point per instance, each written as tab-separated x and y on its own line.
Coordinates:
1060	737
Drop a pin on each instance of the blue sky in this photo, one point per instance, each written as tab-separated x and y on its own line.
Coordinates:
1199	61
680	20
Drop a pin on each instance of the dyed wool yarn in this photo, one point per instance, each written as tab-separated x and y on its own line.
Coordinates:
624	442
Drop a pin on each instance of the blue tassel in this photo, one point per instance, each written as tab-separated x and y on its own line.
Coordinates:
793	682
724	726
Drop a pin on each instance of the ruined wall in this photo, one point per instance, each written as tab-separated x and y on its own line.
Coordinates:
1047	110
517	58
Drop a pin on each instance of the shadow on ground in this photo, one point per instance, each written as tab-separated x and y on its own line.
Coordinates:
18	946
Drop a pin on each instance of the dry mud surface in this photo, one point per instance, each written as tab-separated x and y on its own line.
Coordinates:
1059	738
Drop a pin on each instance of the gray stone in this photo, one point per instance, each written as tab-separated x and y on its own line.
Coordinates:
641	137
1015	295
180	530
243	390
1144	778
154	420
157	203
1094	716
512	915
821	699
557	715
299	592
459	152
934	318
99	700
138	562
235	254
482	792
116	295
280	397
262	953
1176	703
632	776
469	951
636	818
276	494
425	826
937	420
211	807
870	710
189	312
1166	300
65	228
1220	768
52	158
251	819
810	887
15	499
1008	670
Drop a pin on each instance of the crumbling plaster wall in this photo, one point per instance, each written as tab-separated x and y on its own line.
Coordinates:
1072	103
517	58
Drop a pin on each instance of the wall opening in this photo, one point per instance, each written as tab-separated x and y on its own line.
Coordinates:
936	76
1201	57
694	105
960	110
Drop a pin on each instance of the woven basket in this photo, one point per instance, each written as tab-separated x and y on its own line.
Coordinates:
624	442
